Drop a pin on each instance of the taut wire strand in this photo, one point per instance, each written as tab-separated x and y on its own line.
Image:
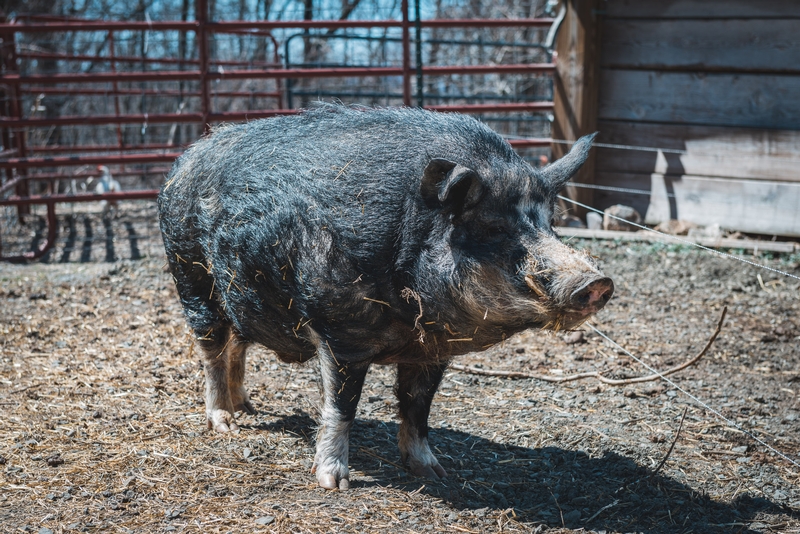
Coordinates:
698	401
685	241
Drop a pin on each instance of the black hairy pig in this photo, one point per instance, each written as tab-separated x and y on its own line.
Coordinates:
366	236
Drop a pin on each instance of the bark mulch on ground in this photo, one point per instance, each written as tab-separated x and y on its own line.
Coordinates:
102	427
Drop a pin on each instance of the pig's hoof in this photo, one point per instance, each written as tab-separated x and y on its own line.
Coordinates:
333	477
245	407
421	461
433	472
416	453
221	421
329	482
241	402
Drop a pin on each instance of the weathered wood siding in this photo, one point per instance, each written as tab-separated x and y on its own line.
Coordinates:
575	87
717	83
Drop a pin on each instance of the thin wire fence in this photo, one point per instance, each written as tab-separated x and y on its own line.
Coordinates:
699	402
615	189
673	238
691	396
681	240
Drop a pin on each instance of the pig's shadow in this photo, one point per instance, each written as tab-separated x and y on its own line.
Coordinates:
549	485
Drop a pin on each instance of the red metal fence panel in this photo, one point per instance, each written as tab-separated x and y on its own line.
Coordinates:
35	162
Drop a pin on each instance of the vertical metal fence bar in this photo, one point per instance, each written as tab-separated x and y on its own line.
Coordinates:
115	86
5	104
201	13
406	55
418	51
15	107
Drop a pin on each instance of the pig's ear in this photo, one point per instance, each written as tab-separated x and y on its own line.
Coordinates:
445	183
559	173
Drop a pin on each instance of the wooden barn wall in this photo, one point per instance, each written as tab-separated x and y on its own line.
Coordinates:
717	80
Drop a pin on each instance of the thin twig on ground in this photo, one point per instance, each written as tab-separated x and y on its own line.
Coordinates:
674	441
20	390
603	509
595	374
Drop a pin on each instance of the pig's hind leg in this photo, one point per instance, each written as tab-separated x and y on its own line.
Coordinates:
416	385
222	350
236	353
341	390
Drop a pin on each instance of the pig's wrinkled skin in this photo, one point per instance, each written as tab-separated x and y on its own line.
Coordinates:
363	236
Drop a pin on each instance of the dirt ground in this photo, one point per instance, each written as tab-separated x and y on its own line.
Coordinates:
102	425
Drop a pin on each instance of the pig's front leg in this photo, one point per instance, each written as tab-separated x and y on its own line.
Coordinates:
237	360
416	385
341	388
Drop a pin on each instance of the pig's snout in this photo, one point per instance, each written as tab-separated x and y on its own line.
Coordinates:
592	296
565	284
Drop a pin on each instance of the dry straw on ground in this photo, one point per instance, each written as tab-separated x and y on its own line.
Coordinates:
102	426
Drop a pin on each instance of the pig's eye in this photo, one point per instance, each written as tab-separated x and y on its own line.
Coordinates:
496	230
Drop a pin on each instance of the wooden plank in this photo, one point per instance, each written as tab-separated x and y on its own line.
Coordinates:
759	207
706	45
747	153
745	205
702	9
575	86
747	100
637	197
787	247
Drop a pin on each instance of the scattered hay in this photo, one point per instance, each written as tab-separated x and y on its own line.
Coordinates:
103	425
